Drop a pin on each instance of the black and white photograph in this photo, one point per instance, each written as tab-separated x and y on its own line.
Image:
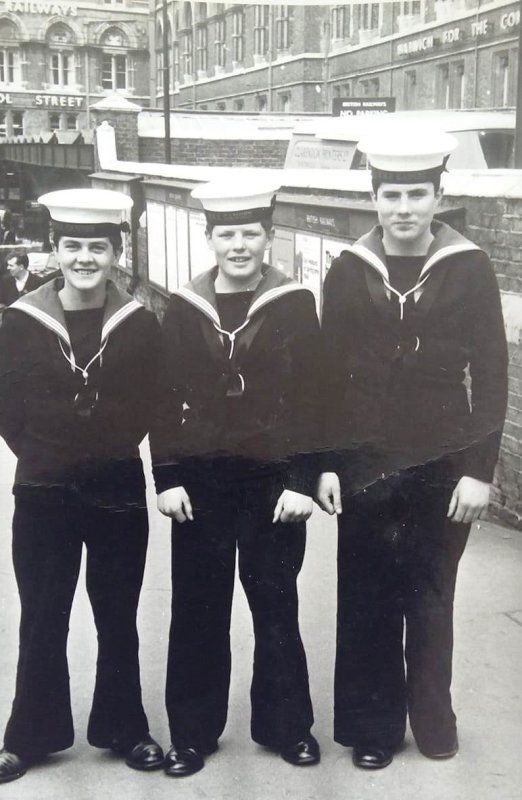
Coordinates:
260	400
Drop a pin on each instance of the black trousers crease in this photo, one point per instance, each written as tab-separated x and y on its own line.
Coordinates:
47	547
236	515
398	557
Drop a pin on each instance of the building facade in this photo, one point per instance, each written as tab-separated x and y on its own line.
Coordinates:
424	53
57	58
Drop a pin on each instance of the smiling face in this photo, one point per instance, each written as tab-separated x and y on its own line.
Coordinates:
405	211
239	251
86	263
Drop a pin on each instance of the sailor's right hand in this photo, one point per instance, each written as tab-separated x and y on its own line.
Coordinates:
175	503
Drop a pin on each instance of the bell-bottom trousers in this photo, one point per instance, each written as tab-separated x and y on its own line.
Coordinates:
229	515
47	548
398	556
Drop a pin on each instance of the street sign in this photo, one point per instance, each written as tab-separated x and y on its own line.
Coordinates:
359	106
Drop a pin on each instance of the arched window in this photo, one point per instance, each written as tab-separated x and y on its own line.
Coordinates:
9	55
115	67
61	71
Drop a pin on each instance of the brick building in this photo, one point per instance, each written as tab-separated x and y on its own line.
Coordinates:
57	58
425	53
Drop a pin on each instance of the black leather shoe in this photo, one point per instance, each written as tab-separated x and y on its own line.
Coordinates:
448	752
11	766
303	753
372	757
145	755
183	761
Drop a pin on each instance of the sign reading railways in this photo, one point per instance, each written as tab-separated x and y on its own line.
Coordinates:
39	7
360	106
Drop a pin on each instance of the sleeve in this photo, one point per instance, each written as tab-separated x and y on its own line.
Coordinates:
168	414
13	371
303	464
488	370
335	339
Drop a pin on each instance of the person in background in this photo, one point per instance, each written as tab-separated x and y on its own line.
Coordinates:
233	464
79	366
18	280
408	309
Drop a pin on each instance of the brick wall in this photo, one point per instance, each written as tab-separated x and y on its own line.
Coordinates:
215	153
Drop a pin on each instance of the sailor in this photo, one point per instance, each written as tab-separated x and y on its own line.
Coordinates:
78	378
408	309
234	469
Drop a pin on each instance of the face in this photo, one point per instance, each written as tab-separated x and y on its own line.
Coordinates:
406	210
86	263
239	250
15	269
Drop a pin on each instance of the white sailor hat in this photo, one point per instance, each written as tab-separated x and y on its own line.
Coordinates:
87	212
239	200
402	153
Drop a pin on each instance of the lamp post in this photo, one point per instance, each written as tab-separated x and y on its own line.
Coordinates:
518	123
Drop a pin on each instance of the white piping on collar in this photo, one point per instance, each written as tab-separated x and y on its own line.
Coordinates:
209	310
200	302
118	317
45	318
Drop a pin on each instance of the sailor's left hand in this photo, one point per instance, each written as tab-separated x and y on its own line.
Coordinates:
292	507
469	500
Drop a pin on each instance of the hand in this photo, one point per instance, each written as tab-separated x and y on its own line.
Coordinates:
328	493
176	503
469	500
293	507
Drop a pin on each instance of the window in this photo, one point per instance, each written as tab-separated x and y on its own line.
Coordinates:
410	88
175	62
61	69
505	78
442	86
347	90
237	36
54	122
186	52
284	101
457	85
3	124
261	22
221	106
114	71
261	102
369	16
341	22
283	20
18	123
219	42
239	104
7	66
201	48
71	122
411	8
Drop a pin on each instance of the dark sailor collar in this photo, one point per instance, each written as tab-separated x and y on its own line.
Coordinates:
44	305
200	292
446	242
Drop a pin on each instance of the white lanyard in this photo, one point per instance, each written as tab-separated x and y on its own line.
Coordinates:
84	370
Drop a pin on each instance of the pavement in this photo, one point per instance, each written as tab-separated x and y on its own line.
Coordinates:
487	687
